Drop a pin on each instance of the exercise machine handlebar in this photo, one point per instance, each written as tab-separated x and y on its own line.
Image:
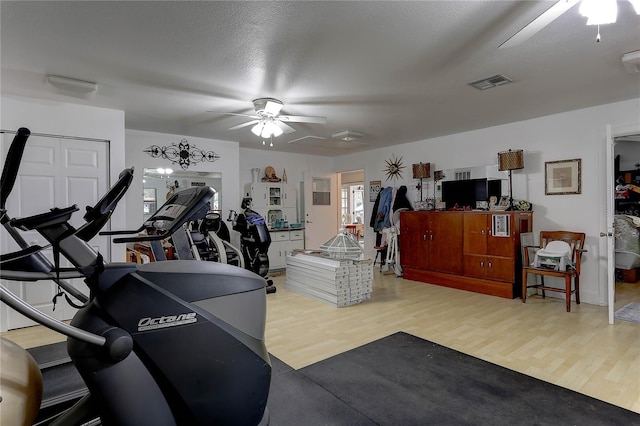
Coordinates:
41	318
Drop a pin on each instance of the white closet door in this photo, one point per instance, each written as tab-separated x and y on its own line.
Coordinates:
54	172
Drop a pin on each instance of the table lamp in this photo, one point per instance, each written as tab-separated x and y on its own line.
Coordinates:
421	171
510	160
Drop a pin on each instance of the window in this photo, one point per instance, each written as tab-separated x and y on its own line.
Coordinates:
352	198
345	205
357	202
321	191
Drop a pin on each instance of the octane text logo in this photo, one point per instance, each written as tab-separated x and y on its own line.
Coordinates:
168	321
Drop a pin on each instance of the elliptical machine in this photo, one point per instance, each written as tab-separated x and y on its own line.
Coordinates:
254	240
164	343
211	241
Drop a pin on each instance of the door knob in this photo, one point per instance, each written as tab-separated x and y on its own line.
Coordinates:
606	234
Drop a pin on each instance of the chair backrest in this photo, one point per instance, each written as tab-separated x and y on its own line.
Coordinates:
574	239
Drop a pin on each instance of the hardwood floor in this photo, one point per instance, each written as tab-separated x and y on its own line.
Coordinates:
577	350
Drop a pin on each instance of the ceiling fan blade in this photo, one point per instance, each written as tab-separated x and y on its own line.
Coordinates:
272	108
539	23
234	113
285	127
303	119
240	126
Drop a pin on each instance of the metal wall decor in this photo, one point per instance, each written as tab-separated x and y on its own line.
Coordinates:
182	153
394	168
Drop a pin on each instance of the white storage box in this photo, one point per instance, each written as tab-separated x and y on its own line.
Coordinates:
338	282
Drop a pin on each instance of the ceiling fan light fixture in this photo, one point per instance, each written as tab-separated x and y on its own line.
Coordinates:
275	129
267	128
257	129
599	12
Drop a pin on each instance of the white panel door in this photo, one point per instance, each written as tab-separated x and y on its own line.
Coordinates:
54	172
320	221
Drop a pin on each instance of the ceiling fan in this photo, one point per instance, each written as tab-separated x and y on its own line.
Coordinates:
597	11
268	121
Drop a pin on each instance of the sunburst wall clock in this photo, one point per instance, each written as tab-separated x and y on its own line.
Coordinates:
394	168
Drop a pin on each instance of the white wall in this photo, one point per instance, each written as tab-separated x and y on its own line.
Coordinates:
65	119
575	134
227	164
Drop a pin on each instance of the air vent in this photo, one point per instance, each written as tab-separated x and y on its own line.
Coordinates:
306	137
489	82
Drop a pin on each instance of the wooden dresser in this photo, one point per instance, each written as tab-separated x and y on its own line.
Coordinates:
475	251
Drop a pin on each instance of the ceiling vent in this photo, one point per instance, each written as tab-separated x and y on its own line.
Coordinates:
72	84
306	137
489	82
631	61
347	135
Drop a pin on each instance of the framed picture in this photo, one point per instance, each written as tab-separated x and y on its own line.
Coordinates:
374	189
149	194
500	225
482	205
563	177
499	205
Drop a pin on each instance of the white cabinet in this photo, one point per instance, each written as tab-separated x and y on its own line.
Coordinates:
289	194
284	242
271	195
274	201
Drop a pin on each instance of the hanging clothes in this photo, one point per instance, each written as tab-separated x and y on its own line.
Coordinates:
401	201
384	209
374	211
390	232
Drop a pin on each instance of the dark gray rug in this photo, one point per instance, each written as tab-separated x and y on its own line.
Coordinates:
404	380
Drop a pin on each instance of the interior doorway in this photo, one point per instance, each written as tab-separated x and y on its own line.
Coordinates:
352	205
627	219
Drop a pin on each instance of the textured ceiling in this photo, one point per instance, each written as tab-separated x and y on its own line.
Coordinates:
395	71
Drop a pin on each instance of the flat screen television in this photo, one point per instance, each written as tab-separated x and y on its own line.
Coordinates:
465	193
